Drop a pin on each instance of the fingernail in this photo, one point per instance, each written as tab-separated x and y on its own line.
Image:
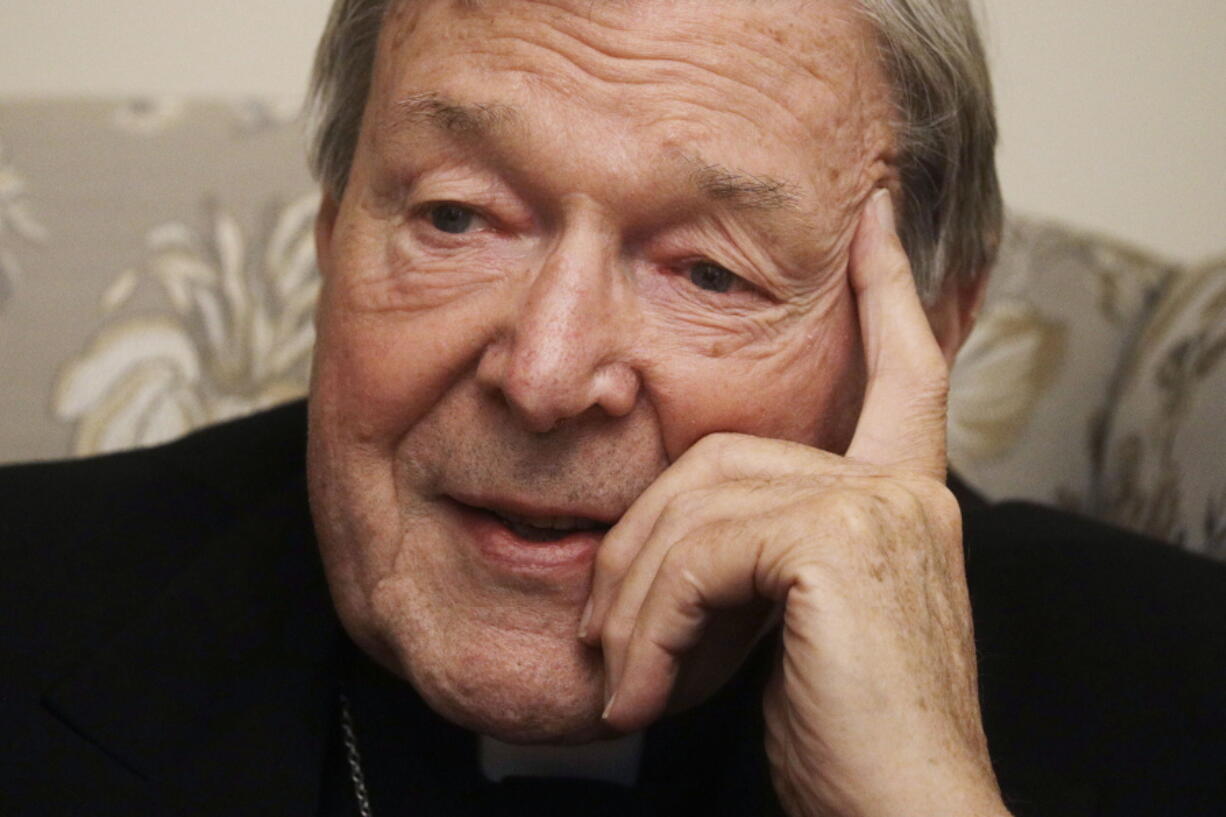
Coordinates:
884	208
585	619
604	716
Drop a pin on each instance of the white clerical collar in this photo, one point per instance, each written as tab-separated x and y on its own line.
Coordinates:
613	761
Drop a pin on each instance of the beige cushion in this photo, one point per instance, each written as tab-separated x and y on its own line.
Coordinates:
1032	386
1164	463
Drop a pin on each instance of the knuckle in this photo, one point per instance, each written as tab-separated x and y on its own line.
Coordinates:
930	493
854	511
940	498
907	495
682	584
675	570
942	509
926	504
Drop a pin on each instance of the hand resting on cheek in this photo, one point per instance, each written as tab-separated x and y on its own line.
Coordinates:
873	704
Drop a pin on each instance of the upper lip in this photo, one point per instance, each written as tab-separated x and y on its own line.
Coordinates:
535	509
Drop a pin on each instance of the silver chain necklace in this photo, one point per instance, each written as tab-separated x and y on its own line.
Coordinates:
354	758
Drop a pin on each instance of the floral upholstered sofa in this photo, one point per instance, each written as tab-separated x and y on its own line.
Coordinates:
157	274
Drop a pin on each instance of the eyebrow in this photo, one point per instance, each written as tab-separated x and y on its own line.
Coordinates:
477	121
744	191
449	116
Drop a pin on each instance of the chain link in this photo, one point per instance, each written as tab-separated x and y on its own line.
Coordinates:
354	757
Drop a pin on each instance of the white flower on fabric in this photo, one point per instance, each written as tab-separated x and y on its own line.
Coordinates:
17	224
149	116
1007	362
237	336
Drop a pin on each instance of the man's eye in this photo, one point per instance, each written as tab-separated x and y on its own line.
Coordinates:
451	218
712	277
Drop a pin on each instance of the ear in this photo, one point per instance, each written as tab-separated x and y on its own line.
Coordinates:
954	312
325	223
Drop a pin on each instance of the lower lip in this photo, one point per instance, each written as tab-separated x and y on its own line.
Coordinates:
503	546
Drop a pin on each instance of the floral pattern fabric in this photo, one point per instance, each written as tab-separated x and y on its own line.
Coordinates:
236	336
1162	473
1036	382
177	283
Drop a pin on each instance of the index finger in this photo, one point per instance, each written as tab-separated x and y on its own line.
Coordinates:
902	422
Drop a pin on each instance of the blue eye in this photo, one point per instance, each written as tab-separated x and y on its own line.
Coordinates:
711	277
451	218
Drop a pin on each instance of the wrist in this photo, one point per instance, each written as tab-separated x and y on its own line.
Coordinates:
935	799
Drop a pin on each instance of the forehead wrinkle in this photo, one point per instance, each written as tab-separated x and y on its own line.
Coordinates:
715	181
630	55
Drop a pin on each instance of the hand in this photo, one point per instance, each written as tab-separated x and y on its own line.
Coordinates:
873	707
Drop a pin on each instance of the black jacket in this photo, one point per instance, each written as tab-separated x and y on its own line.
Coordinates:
167	646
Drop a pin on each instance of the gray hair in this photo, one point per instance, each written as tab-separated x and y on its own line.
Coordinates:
950	212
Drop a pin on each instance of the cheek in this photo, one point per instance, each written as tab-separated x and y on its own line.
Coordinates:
394	332
808	388
381	372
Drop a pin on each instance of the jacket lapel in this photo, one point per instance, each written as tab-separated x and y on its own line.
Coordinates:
222	696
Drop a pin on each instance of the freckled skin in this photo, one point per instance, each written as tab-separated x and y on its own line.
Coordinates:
559	350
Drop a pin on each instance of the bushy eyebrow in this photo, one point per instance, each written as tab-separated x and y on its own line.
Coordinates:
478	121
449	116
744	191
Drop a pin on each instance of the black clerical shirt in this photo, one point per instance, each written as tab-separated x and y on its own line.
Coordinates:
168	646
416	763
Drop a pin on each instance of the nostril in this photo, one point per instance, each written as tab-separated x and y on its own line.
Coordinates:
617	388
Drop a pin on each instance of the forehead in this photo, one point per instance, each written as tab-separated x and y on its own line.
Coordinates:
782	87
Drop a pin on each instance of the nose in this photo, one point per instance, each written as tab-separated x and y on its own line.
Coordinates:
565	351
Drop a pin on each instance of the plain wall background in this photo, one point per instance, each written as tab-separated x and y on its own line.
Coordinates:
1112	113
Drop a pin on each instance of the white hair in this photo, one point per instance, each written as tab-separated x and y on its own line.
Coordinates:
950	213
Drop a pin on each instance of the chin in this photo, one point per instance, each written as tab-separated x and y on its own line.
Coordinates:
513	685
522	715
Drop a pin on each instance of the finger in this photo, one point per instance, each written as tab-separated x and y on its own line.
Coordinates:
903	419
714	459
716	567
697	468
688	512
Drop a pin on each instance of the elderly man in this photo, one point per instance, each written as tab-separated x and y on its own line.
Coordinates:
626	434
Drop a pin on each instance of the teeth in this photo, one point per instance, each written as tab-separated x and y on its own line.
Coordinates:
547	522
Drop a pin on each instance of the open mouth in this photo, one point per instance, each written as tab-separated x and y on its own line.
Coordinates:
554	540
545	528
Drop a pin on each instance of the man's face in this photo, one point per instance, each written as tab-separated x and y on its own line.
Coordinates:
576	238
